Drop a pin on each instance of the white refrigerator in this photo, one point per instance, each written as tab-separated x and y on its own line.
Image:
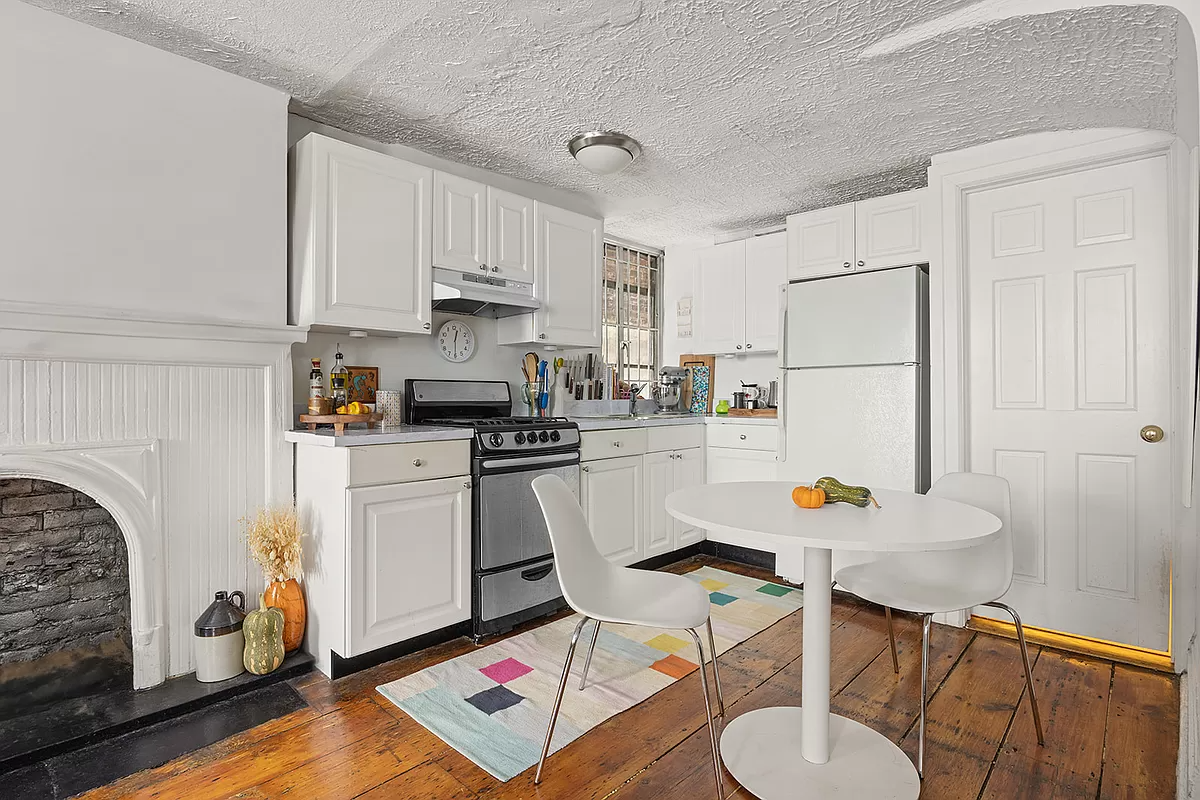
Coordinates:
855	381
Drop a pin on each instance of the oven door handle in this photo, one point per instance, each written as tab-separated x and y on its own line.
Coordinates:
537	573
529	461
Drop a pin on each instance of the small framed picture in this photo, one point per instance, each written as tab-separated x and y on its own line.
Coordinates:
361	384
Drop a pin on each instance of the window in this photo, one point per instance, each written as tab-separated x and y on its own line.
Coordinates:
631	313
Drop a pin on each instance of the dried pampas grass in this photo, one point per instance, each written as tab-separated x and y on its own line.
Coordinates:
274	539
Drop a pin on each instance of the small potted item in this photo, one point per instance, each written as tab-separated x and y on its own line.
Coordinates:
219	641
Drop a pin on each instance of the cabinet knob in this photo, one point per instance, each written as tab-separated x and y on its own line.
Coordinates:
495	269
616	444
749	346
426	326
845	265
862	263
483	267
541	336
585	468
743	437
739	347
419	463
466	484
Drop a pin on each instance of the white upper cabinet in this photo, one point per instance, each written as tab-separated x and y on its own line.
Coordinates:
361	250
736	295
821	242
459	223
719	308
889	231
510	235
567	252
766	271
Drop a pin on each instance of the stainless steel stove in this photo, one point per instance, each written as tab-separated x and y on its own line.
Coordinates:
512	561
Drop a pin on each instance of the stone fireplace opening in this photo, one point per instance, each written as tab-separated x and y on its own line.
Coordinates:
65	628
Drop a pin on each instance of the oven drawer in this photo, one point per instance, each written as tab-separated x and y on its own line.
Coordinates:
612	443
416	461
517	589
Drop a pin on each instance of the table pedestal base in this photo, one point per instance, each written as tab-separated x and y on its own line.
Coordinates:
761	749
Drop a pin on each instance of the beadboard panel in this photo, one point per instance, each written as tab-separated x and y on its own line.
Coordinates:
215	426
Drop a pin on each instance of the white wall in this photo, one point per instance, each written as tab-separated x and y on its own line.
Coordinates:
137	181
730	371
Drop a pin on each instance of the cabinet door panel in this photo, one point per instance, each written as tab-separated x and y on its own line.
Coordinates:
510	235
376	244
719	308
567	252
821	242
410	560
766	271
726	465
611	492
459	223
660	482
689	472
888	231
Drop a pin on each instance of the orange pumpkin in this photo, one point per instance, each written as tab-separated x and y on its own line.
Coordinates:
808	497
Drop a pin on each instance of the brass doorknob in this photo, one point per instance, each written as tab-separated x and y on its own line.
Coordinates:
1152	434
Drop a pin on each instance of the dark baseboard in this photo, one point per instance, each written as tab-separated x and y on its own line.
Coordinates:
660	561
341	667
739	555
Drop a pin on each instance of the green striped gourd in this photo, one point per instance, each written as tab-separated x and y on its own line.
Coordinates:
264	639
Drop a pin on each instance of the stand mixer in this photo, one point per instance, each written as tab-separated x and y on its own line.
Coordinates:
668	389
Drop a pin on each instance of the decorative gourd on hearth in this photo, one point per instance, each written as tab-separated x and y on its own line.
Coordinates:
264	639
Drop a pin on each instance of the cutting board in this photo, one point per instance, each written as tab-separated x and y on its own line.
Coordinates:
690	360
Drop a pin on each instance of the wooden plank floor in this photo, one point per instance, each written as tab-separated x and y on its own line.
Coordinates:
1111	730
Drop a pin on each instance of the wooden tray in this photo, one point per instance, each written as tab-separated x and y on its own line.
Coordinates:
766	413
339	421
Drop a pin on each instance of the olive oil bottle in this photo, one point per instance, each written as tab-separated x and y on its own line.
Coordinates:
339	377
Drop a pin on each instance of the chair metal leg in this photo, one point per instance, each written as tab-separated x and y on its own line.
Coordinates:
587	662
925	627
712	728
712	649
887	612
1033	706
562	685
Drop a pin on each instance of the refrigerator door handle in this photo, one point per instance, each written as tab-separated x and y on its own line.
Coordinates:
783	320
781	401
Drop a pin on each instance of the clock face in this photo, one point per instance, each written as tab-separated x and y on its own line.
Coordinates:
456	341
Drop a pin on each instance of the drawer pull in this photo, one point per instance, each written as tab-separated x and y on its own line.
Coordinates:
743	437
419	463
616	444
537	573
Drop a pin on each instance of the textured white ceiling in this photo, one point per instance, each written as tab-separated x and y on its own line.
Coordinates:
746	111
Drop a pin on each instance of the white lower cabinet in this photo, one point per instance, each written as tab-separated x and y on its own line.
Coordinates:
410	560
611	492
689	471
665	473
388	550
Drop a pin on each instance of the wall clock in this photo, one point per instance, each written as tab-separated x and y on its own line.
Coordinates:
456	341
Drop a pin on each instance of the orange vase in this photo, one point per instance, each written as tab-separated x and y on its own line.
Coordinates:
288	598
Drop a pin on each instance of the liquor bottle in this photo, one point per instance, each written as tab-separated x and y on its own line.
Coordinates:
338	378
316	389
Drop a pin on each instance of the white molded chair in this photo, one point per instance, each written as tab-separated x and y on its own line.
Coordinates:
600	591
938	582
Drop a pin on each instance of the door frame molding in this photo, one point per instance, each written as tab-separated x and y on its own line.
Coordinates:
953	178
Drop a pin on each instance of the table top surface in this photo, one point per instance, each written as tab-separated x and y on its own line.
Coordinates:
906	522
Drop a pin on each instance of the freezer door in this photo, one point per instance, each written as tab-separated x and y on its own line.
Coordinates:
860	424
856	319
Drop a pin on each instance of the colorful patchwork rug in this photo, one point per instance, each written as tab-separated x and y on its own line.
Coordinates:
493	704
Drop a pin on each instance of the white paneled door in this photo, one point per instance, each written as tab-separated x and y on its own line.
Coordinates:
1069	361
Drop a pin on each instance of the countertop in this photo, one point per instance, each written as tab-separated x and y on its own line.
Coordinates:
353	437
609	423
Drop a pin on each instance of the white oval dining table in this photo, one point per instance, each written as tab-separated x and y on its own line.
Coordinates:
800	752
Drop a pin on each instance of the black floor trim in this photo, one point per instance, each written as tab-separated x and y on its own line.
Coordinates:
341	667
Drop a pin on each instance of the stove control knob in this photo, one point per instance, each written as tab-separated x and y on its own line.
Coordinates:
544	436
555	436
519	437
497	440
532	438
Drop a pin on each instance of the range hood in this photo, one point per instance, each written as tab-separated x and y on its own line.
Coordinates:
481	295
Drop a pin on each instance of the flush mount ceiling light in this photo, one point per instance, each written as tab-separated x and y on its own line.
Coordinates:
604	152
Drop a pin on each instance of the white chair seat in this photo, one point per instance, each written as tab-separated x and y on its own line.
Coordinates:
903	583
641	597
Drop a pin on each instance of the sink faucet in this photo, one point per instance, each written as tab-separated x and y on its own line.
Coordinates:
633	398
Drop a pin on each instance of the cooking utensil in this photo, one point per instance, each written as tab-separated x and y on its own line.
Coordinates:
530	367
